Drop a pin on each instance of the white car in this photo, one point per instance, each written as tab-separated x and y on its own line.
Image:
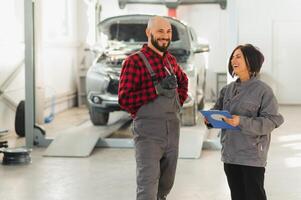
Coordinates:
124	35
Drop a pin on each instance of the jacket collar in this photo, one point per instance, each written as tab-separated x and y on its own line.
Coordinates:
246	83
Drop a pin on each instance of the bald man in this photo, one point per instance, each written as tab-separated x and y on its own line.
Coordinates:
153	89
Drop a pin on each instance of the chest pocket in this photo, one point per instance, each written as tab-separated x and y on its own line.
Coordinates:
249	109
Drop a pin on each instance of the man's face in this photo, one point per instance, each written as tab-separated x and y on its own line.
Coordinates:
160	43
160	34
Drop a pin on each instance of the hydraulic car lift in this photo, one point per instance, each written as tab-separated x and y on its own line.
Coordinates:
173	3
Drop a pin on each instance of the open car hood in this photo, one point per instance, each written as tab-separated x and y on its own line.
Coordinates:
130	30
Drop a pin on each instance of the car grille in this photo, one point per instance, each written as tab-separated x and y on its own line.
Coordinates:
113	86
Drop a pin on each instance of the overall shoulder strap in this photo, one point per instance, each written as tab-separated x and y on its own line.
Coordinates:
170	67
148	66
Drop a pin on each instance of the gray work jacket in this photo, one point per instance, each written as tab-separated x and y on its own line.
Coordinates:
255	103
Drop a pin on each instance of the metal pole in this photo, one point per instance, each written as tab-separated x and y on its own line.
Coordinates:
29	72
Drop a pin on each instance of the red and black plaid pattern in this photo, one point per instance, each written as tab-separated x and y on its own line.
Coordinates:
136	87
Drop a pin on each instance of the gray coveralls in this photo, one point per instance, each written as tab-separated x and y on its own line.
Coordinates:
156	130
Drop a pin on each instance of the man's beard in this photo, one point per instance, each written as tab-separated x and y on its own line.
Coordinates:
157	46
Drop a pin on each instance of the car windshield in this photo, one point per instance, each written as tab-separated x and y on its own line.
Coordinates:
133	32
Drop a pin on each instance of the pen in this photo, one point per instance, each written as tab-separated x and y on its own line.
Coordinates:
167	70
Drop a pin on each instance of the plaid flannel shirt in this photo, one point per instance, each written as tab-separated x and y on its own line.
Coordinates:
136	87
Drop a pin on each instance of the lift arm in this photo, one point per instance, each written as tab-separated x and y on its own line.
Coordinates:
173	3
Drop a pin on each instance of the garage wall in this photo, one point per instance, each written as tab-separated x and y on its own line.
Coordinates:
58	45
275	27
59	50
12	54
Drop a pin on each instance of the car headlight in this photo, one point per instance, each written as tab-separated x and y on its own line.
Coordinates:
96	99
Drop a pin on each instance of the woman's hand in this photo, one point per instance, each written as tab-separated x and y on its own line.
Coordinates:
234	121
207	123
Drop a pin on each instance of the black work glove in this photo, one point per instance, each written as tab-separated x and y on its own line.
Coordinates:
169	82
167	85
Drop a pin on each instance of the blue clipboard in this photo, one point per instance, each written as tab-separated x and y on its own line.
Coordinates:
214	117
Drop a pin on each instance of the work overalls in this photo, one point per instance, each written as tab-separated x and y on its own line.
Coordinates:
156	130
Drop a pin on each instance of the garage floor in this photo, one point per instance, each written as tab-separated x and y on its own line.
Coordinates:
109	174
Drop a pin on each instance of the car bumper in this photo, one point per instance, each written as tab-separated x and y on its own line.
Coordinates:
105	102
109	102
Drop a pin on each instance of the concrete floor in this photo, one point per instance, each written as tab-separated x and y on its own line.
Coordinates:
109	174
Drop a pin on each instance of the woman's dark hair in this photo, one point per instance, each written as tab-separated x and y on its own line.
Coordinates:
253	57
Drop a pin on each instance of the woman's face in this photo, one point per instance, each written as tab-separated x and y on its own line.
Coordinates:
239	65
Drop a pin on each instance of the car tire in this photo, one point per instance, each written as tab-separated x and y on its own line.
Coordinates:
98	118
20	119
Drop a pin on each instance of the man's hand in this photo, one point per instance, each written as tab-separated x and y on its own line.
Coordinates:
169	82
167	85
234	121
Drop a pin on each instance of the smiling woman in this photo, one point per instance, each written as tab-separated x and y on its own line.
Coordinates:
254	110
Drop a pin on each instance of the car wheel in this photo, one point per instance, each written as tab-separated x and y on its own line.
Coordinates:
20	119
189	116
98	118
